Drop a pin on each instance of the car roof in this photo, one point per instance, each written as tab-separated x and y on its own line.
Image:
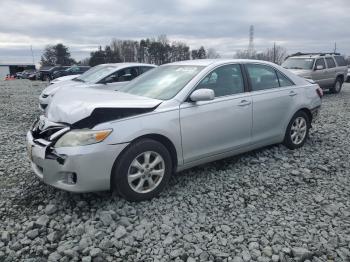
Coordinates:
208	62
121	65
320	55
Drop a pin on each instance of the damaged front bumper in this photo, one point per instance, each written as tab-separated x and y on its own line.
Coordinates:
76	169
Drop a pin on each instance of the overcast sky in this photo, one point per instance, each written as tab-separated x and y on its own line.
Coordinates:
83	25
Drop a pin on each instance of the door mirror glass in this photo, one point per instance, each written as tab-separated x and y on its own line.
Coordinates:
202	95
319	67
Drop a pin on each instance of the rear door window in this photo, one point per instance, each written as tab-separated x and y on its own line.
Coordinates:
330	62
321	62
262	77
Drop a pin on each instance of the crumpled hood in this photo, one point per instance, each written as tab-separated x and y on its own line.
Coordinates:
52	89
79	103
301	72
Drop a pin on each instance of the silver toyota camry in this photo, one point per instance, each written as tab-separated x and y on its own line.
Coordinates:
171	118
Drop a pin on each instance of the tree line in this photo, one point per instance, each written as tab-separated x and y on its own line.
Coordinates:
150	50
276	54
157	51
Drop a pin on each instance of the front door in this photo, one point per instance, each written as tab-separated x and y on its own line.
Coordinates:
220	125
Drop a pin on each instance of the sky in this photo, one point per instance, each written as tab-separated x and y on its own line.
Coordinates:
83	25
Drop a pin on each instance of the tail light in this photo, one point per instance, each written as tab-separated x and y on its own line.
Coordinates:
319	92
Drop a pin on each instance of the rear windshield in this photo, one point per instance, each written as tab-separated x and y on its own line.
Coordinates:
298	63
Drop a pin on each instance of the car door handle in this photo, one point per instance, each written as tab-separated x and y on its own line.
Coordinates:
292	93
244	103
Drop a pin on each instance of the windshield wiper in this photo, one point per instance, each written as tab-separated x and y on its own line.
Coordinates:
295	67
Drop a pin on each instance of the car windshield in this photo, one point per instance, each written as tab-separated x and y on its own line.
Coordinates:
298	63
96	73
163	82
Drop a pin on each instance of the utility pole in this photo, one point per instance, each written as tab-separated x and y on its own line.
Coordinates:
335	47
251	42
31	51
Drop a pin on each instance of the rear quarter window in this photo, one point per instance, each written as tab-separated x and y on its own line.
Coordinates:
340	60
283	80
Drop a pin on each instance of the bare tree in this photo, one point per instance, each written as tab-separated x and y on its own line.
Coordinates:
275	54
212	54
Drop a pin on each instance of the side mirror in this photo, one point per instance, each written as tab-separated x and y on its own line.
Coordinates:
319	67
202	95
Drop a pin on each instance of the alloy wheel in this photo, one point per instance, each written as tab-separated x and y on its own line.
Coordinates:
146	172
337	86
298	130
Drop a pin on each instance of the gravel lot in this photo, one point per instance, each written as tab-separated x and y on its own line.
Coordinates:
268	205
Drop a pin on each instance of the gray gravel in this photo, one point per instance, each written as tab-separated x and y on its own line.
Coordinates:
268	205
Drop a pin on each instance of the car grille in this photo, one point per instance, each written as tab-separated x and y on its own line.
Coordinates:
47	130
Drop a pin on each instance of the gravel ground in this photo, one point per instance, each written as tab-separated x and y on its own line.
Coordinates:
268	205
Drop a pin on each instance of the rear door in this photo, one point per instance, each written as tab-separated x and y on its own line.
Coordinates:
332	71
320	76
273	96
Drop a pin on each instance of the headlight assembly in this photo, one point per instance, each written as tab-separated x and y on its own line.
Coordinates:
82	137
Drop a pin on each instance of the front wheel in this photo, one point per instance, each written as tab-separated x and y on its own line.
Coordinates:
337	86
297	131
142	171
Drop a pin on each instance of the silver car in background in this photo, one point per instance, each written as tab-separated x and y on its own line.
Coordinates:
328	70
174	117
104	76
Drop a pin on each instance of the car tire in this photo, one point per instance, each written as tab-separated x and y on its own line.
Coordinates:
142	171
297	131
337	86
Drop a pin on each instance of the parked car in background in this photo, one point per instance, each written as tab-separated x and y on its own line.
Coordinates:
46	74
176	116
74	70
105	76
26	73
329	70
34	76
63	78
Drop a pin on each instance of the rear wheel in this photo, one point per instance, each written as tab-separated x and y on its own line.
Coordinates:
142	171
337	86
297	131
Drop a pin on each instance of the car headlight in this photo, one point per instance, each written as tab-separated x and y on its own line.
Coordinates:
82	137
